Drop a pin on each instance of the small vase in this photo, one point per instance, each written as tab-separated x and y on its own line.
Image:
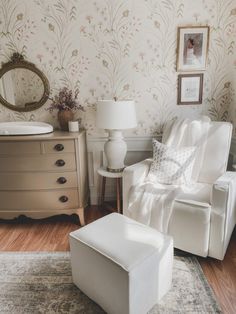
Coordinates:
64	116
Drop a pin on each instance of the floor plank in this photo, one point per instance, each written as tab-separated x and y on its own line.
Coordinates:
222	277
51	234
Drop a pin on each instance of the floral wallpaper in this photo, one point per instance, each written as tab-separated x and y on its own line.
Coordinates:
122	48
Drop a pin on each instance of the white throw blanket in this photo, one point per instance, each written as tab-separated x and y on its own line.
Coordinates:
152	203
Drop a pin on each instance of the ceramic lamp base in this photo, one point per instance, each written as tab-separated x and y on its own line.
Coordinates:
115	150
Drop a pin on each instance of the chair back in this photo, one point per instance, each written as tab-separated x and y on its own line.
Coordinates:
216	153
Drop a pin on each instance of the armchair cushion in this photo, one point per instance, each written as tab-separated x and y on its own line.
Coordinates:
171	165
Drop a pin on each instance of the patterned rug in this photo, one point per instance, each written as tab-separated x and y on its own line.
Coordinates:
41	283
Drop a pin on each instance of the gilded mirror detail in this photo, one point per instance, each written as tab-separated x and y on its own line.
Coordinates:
23	87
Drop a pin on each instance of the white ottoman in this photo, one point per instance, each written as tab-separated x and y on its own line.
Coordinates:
124	266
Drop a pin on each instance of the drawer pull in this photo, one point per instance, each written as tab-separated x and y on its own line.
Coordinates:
60	163
63	199
62	180
59	147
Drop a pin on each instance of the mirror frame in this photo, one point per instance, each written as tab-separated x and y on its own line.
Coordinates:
17	61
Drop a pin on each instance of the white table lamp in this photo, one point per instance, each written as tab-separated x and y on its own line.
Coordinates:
115	116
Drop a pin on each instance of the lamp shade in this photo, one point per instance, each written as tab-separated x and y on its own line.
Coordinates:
116	115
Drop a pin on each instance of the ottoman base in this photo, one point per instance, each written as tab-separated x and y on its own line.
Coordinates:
118	290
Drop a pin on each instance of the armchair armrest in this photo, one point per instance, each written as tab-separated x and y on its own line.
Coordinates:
133	175
224	193
223	214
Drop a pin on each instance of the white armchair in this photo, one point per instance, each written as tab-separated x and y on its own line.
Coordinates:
202	221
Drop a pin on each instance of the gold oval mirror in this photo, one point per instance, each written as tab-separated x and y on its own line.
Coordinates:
23	87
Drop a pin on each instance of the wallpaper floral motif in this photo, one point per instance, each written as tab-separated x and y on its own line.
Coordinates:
122	48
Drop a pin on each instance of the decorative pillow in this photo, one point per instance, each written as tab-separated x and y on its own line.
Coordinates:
171	165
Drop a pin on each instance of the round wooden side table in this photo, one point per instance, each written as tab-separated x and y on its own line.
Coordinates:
114	175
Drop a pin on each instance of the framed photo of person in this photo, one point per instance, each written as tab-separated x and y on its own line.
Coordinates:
190	88
193	43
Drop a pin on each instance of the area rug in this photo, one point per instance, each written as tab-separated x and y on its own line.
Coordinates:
41	283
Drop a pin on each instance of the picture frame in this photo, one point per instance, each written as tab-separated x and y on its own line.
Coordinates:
190	89
192	50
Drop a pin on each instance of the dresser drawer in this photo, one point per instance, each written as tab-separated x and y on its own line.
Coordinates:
42	200
38	163
19	148
60	146
37	181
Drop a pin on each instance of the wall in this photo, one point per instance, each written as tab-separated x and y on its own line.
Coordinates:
125	48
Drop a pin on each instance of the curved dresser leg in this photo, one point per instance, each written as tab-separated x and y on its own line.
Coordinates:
80	213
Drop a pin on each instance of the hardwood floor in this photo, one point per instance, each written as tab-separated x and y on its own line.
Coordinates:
49	234
52	235
222	277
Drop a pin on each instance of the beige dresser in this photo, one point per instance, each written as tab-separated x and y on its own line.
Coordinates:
43	175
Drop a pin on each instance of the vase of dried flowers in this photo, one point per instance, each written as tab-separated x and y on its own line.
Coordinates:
66	103
64	116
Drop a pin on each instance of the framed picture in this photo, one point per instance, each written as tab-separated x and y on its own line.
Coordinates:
190	87
193	45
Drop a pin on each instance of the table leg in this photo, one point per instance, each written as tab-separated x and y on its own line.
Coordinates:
103	190
118	194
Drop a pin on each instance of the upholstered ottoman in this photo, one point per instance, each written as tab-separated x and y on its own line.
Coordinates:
124	266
